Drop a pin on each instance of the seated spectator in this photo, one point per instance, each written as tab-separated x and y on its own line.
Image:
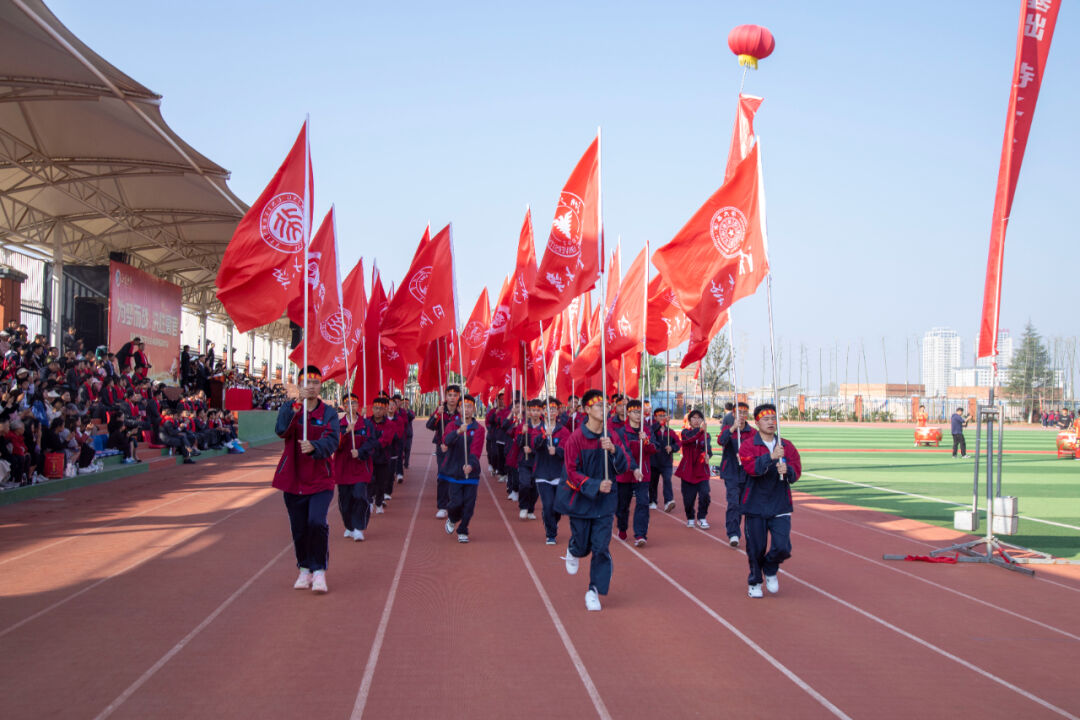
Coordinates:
124	436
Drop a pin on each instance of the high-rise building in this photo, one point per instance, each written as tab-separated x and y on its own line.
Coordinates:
942	353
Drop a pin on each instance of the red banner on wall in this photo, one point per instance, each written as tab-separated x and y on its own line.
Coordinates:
143	306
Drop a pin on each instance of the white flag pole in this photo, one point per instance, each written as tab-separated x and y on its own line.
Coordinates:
461	367
603	292
307	241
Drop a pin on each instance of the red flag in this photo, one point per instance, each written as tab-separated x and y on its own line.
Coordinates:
500	352
264	261
571	261
382	363
1037	20
423	308
354	308
700	339
668	326
325	328
623	323
431	375
474	334
524	277
742	137
719	256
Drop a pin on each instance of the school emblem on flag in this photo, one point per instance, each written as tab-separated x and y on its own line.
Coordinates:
336	327
418	284
474	334
728	230
499	320
566	228
281	223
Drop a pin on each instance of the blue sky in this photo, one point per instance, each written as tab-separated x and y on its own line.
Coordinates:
881	134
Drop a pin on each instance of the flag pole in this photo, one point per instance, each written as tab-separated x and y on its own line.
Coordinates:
734	383
307	241
768	289
603	292
457	334
644	353
543	356
344	334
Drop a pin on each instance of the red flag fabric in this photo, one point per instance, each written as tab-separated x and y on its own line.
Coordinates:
354	308
383	363
500	352
524	277
474	334
668	326
571	261
742	137
325	326
700	339
1037	20
423	307
431	374
623	323
264	261
719	256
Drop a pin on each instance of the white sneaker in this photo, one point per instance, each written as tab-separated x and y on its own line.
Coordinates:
502	478
669	506
462	538
399	477
530	516
491	470
303	580
348	534
592	601
733	541
772	584
358	535
571	563
449	527
549	541
689	523
754	591
379	509
703	524
514	496
652	506
318	581
440	514
522	514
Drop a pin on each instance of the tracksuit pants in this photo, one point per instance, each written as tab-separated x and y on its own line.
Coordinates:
353	504
498	457
655	475
546	491
764	561
699	492
593	535
958	441
382	480
462	503
639	493
527	493
511	480
734	488
310	531
406	452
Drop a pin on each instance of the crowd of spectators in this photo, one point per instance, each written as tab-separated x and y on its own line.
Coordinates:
197	370
1062	419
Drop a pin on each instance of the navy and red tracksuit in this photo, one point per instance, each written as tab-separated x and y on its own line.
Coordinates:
353	475
529	437
496	440
662	461
589	509
732	472
767	506
307	480
511	427
628	487
437	423
385	432
549	472
693	472
462	449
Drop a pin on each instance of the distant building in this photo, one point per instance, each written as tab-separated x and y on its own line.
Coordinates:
982	373
942	353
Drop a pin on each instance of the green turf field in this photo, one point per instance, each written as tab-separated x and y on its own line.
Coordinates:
1048	489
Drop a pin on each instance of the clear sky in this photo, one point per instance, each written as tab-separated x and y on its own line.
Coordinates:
881	135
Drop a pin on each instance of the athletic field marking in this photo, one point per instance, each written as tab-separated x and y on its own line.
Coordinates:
946	588
380	633
914	638
798	681
160	551
133	688
579	665
28	553
934	499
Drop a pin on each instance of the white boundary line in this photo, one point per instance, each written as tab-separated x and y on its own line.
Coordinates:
384	620
918	640
932	499
134	687
579	664
116	521
160	551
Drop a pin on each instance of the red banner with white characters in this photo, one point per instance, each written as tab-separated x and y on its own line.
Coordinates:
1037	20
146	307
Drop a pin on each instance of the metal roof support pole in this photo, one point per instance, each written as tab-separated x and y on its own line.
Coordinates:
202	333
229	350
56	316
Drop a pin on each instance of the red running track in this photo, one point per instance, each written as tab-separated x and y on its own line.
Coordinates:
170	597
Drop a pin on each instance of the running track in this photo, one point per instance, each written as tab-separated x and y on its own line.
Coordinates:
168	595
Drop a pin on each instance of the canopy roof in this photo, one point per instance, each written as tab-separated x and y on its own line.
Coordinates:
88	165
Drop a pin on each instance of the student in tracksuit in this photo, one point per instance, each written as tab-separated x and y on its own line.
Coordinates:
511	428
693	470
438	422
634	483
665	443
353	469
462	446
735	432
771	465
496	444
404	420
397	447
385	431
406	452
531	435
593	461
551	470
306	479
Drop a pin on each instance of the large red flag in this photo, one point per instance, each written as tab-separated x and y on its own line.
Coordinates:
623	324
431	374
354	308
521	327
571	261
742	137
474	334
700	338
500	351
325	326
719	256
382	363
423	307
1037	20
264	261
668	326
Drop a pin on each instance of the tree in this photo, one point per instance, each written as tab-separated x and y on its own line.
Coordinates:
654	377
1030	372
716	368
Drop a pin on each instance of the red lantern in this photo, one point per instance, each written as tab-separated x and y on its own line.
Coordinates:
751	43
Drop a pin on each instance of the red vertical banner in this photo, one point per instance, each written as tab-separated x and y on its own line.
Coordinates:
146	307
1037	20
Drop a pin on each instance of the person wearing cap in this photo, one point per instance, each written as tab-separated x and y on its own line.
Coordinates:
594	458
664	443
446	413
353	469
634	483
693	470
735	432
461	447
306	478
772	464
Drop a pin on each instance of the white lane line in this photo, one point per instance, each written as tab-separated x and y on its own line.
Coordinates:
892	491
122	698
579	664
93	531
380	633
916	639
265	493
798	681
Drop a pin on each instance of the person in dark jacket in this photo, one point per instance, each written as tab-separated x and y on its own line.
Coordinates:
772	464
693	470
594	458
733	434
957	423
353	469
665	442
438	422
531	434
406	450
551	469
385	431
172	437
305	476
461	447
634	483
